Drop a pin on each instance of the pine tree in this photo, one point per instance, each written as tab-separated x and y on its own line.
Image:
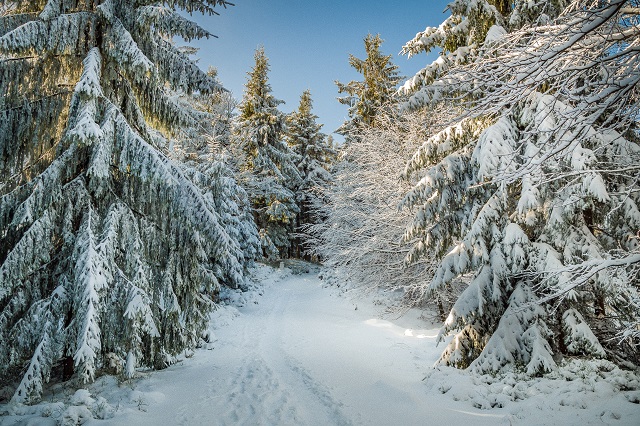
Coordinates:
106	245
314	160
366	98
266	163
530	190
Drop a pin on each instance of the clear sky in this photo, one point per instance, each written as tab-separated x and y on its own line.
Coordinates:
308	44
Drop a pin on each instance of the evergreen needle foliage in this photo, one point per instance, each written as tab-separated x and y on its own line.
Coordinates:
315	156
531	190
107	247
368	97
267	165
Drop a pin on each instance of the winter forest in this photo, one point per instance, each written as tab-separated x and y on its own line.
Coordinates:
468	251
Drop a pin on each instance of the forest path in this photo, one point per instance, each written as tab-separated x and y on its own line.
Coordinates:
302	356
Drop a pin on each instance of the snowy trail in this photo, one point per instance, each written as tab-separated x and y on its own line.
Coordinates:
301	357
304	356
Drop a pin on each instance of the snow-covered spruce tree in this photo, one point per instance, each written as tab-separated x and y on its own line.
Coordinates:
106	246
368	97
533	192
267	165
204	150
315	156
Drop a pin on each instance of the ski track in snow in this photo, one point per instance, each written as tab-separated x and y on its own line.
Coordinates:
262	387
302	356
268	377
256	381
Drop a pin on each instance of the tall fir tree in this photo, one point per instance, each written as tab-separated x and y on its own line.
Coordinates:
315	155
106	245
530	186
266	163
204	149
366	98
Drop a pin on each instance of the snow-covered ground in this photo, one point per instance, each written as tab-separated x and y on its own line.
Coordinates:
298	353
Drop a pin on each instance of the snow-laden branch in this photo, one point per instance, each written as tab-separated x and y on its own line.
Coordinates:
530	186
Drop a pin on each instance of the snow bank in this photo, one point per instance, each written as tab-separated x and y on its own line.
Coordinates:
579	392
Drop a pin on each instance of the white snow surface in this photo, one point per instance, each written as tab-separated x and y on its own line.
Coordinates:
295	351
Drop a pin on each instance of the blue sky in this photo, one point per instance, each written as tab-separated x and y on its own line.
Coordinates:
308	44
